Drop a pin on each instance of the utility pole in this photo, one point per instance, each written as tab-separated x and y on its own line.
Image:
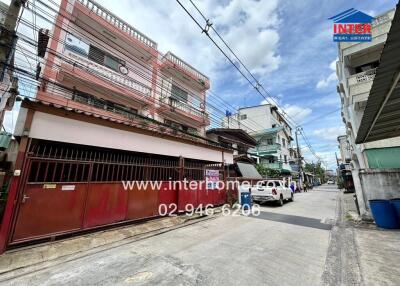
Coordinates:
7	37
299	158
8	40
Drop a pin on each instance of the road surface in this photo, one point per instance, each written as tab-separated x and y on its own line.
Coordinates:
282	246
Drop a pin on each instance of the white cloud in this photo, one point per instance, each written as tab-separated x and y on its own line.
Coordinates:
248	26
332	65
274	100
297	113
329	133
325	82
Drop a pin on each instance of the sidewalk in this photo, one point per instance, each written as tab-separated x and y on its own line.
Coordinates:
378	250
18	261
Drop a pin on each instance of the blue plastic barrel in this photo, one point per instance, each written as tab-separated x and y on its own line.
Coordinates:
245	199
396	206
384	214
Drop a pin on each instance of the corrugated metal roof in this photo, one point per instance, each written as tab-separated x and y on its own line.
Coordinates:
248	171
5	139
381	118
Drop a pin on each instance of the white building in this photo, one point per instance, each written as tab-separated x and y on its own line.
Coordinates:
356	69
344	149
272	132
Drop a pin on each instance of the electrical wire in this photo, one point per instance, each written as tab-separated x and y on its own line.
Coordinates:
213	107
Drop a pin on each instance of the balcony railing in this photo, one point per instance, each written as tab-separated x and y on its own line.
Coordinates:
185	66
108	74
266	148
185	107
362	77
275	166
382	18
117	22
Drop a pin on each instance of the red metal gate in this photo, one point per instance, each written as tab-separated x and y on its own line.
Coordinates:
47	207
70	187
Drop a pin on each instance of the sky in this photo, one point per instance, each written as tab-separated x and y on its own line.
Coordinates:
286	44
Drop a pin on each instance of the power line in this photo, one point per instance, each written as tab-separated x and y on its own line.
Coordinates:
213	107
258	85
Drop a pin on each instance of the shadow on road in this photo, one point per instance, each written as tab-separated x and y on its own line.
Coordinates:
293	219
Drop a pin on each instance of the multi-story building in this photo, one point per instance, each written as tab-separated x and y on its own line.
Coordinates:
7	81
356	69
110	107
271	131
344	149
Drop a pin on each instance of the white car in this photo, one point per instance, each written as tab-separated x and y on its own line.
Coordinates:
271	190
330	182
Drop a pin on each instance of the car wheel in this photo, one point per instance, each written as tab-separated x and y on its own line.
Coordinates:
280	202
291	197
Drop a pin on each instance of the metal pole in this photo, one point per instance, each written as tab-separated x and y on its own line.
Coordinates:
299	159
7	37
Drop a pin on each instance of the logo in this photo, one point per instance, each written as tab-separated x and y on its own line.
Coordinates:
352	26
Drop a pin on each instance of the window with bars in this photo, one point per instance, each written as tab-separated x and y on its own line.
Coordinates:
103	58
179	94
105	104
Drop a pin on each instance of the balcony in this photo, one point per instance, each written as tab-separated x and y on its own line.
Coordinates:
94	18
275	165
266	149
99	80
186	73
183	112
380	28
360	84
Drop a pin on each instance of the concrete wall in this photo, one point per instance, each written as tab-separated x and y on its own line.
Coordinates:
55	128
380	183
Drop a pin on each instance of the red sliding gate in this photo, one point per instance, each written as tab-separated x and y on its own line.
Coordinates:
68	188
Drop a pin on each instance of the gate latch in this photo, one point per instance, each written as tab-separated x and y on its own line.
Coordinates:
24	198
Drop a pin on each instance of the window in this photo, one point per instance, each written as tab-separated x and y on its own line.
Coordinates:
99	56
271	184
283	142
196	102
367	67
111	62
243	116
277	184
76	45
285	158
179	94
270	141
104	104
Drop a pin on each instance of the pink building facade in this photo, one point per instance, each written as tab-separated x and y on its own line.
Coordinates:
109	108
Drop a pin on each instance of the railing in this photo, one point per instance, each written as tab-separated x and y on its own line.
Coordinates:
276	165
110	75
362	77
268	148
185	66
382	18
117	22
185	107
265	148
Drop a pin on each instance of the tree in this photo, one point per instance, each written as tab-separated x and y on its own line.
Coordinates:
267	172
315	169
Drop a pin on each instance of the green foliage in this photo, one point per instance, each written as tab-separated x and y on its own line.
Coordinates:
316	169
267	172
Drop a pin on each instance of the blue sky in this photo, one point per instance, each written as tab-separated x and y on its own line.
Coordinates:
286	44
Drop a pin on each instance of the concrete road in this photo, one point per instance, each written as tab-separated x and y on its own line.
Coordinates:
282	246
